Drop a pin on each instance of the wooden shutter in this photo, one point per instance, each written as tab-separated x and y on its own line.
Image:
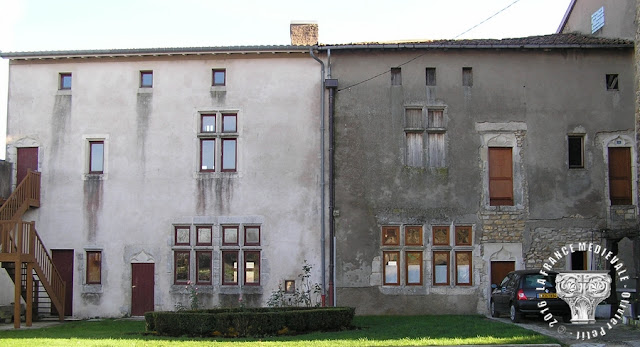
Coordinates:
620	175
500	176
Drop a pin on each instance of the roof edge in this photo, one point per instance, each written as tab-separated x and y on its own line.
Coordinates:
564	20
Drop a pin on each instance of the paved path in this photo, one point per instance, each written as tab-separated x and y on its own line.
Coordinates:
619	336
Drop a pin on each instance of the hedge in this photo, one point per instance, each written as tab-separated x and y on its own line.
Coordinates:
254	322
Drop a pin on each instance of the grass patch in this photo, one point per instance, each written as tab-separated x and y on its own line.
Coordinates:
371	331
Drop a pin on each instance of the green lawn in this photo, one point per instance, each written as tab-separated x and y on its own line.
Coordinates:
370	331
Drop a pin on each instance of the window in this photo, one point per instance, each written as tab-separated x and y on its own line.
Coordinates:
413	235
251	267
440	235
230	267
431	76
226	134
390	235
203	267
576	151
436	130
219	77
96	157
65	81
440	268
241	255
94	267
500	176
146	79
182	235
620	175
463	236
612	81
181	264
579	260
463	268
467	77
396	76
391	267
414	130
413	262
203	235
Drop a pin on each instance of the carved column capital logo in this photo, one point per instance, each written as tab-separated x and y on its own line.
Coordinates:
583	291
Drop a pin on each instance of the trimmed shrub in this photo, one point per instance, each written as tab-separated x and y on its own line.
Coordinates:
254	322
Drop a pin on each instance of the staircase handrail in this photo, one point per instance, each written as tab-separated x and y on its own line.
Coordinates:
26	194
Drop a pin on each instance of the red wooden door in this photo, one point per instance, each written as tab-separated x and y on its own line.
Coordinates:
500	269
63	261
27	159
142	286
620	175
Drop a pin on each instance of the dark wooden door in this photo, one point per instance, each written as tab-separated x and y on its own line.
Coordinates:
63	261
142	286
620	175
500	269
27	159
500	176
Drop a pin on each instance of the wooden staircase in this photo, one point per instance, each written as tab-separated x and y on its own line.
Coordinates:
24	256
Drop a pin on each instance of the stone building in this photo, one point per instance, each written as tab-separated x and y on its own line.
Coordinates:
459	160
164	167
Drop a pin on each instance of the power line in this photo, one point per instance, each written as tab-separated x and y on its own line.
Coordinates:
423	54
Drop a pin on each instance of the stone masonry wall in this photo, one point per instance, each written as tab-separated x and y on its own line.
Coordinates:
502	226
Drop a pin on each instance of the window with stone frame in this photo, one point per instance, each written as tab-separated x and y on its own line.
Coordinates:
500	176
241	254
448	249
422	123
200	247
218	141
402	255
94	267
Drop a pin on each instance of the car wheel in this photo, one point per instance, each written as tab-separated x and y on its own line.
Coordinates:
494	313
515	316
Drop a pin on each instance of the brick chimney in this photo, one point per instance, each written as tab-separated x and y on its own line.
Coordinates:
304	33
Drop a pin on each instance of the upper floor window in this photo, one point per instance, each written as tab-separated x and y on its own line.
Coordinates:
576	151
620	176
96	157
396	76
146	79
431	76
500	176
219	77
65	81
218	130
612	81
415	131
467	76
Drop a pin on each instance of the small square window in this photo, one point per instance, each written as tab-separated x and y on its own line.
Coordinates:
203	235
94	267
252	236
467	77
612	81
182	235
431	76
440	236
413	236
229	123
290	286
219	77
208	123
146	79
229	267
396	76
96	157
230	235
65	81
390	236
576	151
463	236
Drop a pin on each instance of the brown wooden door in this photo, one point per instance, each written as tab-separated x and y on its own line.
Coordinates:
500	176
142	286
500	269
620	175
63	260
27	159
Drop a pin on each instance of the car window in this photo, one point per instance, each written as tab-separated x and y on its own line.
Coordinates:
514	280
505	281
531	281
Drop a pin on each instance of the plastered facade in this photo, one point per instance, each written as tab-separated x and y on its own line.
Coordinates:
151	181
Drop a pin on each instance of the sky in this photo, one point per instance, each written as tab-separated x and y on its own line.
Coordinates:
40	25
